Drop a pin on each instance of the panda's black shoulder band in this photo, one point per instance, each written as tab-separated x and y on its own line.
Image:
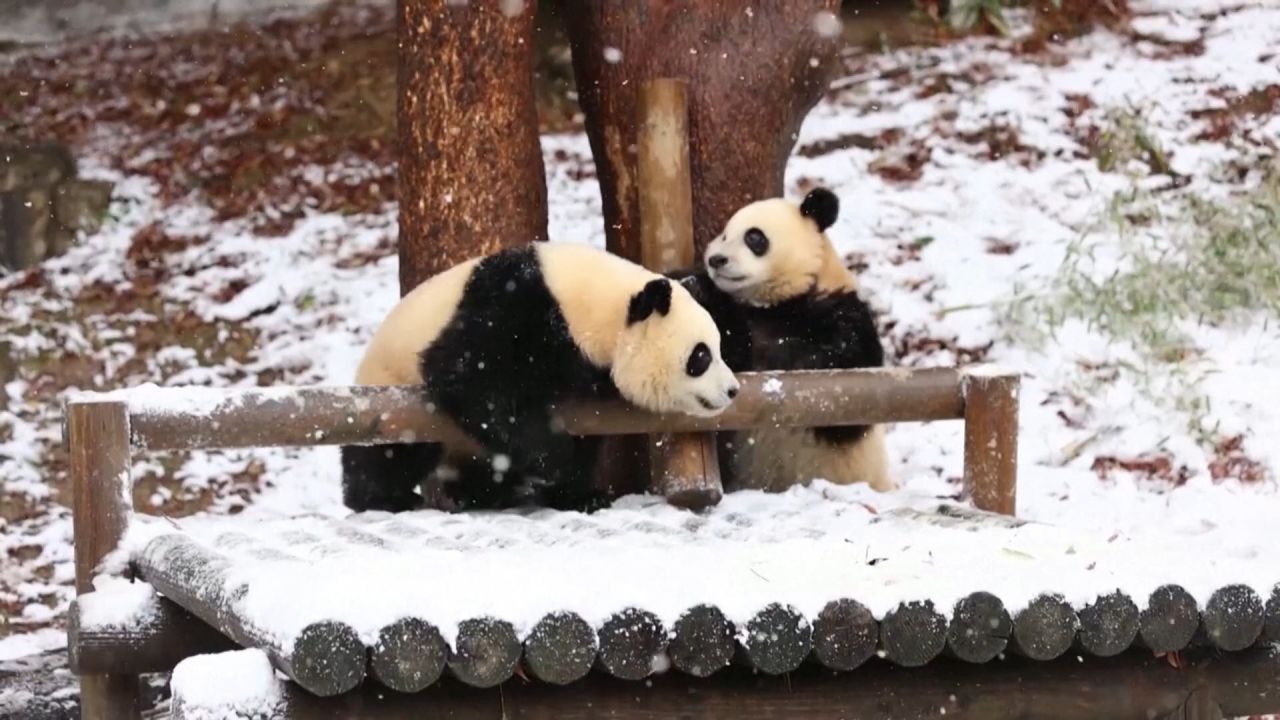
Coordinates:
822	206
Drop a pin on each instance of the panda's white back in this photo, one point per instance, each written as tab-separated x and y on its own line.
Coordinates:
392	357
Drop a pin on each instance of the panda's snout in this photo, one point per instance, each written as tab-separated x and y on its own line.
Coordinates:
733	387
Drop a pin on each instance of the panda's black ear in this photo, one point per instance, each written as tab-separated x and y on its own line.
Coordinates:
822	206
654	298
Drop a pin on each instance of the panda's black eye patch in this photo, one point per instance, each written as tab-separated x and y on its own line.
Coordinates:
757	242
699	360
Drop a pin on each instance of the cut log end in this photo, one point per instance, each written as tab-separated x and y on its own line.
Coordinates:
913	634
1045	629
980	628
328	658
1233	617
561	648
695	498
1271	627
1170	619
486	652
845	635
703	641
1109	625
778	639
629	643
409	656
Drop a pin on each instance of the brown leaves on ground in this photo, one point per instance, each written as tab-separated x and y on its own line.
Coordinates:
266	120
1150	467
1230	461
1071	18
1223	123
236	114
914	344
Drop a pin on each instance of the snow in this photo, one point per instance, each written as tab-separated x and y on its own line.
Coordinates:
226	686
806	547
32	643
313	309
118	603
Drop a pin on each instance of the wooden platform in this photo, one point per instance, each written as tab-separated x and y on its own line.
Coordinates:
765	582
1134	686
444	608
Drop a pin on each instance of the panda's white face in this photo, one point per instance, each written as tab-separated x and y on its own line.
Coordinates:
668	358
769	252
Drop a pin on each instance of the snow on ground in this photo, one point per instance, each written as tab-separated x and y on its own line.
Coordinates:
964	172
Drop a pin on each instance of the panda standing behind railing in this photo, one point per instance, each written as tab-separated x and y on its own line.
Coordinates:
497	341
784	301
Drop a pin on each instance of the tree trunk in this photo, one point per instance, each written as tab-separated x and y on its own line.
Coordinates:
755	68
471	176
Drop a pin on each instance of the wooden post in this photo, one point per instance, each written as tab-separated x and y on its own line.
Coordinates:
991	439
102	498
684	467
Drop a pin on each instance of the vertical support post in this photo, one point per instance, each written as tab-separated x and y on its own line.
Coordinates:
102	498
991	439
684	467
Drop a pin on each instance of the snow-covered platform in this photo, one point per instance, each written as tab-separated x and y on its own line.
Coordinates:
774	580
441	606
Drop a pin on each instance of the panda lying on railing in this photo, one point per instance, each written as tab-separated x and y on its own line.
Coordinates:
497	341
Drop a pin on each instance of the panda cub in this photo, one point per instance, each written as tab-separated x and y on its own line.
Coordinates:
784	301
497	341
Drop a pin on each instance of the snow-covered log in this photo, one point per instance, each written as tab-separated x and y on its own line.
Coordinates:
702	641
845	635
326	658
913	634
1108	626
980	628
1045	629
561	648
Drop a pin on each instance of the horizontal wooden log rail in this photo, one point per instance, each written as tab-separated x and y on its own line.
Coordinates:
190	418
1132	685
185	418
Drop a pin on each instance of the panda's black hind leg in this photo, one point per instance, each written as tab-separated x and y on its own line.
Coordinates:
480	485
386	477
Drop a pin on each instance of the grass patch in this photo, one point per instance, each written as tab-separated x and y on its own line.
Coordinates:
1152	271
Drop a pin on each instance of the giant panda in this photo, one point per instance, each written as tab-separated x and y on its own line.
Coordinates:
496	341
784	300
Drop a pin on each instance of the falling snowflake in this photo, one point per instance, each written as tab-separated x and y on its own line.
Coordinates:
511	8
612	55
826	24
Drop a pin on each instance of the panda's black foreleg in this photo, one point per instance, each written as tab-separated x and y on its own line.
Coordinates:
386	477
560	465
569	478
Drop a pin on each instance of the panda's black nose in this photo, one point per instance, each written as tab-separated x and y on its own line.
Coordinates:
717	261
733	393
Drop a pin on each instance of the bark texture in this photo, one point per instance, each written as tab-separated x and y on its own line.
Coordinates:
471	176
754	67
